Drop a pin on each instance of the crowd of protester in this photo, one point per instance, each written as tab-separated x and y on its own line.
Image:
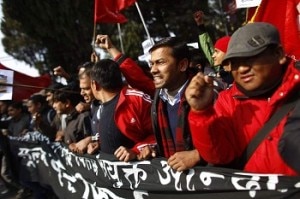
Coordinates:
199	107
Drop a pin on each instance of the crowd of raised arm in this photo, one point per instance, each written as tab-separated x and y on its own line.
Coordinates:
197	107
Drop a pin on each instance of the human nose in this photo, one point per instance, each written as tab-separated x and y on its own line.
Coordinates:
153	68
213	55
243	68
240	65
81	92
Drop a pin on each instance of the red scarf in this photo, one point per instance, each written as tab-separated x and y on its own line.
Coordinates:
165	142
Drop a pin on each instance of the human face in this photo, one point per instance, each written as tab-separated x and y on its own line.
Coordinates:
167	72
49	98
13	112
3	107
258	72
218	57
32	108
60	107
86	90
94	89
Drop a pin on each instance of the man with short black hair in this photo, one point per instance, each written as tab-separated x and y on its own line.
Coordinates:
169	63
124	124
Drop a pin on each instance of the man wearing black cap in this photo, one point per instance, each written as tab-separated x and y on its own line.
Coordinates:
264	79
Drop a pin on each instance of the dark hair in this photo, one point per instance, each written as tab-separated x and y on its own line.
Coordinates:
180	50
6	102
65	94
87	69
107	74
198	58
17	105
53	87
145	67
38	99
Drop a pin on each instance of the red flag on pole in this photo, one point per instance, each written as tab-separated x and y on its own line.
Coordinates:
285	16
24	86
107	11
122	4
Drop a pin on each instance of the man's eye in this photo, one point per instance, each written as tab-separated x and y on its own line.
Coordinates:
161	62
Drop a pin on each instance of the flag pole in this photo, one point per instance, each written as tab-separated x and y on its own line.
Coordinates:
142	18
95	29
94	32
223	17
34	87
120	37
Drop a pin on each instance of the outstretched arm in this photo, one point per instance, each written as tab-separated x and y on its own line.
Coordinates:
134	74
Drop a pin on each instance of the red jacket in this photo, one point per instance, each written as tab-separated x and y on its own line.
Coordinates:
135	76
132	116
222	132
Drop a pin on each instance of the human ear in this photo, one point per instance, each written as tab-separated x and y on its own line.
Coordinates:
183	64
281	55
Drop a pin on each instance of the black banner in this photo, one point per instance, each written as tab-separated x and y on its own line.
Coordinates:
102	176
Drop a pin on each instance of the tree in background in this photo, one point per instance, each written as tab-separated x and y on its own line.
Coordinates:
46	34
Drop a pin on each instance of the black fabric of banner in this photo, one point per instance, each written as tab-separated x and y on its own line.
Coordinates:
102	176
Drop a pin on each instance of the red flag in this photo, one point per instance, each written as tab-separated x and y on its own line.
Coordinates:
107	11
285	16
35	84
122	4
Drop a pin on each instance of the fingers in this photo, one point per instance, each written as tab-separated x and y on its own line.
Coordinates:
199	92
93	147
59	71
184	160
72	147
59	136
199	84
146	153
80	107
124	154
176	163
94	57
198	13
100	39
121	153
198	17
103	41
203	80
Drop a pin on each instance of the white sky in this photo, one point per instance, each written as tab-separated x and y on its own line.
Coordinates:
10	62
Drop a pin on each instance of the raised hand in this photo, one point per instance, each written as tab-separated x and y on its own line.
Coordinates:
104	42
199	93
199	17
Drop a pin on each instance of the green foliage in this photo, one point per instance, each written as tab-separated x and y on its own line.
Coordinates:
49	33
46	34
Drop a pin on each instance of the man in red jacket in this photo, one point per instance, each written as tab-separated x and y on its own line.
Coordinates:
264	79
169	63
124	122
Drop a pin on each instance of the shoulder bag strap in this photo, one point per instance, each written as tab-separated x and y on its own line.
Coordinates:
266	129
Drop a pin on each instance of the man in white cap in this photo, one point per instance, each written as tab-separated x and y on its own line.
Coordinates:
264	79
